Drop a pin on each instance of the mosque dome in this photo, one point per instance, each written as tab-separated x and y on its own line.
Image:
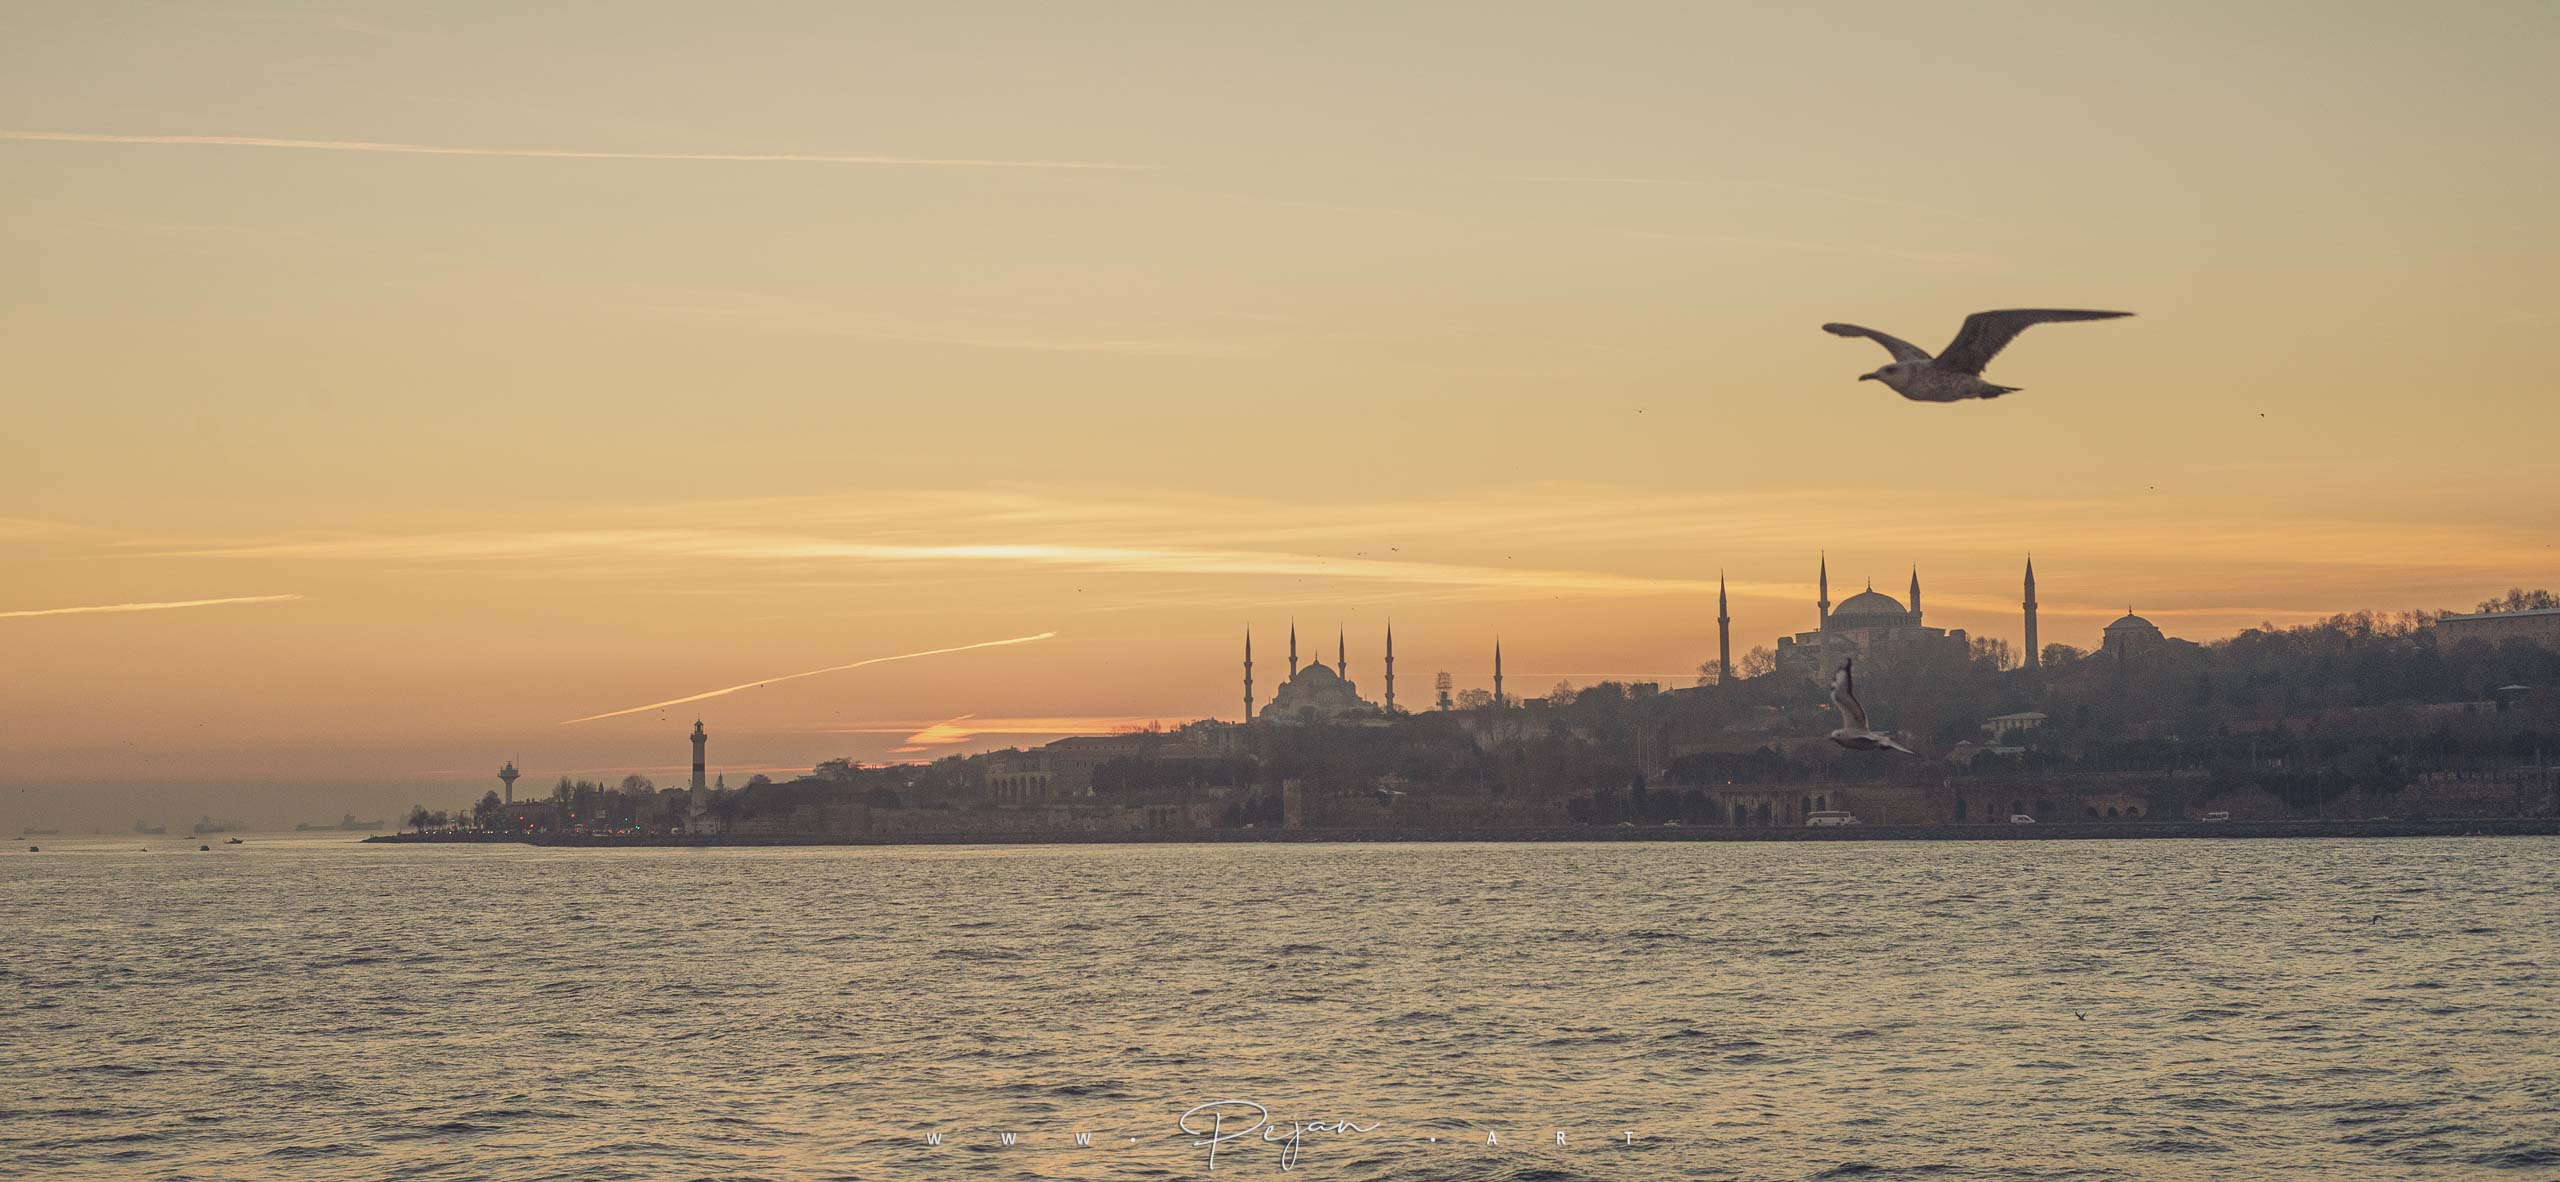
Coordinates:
1869	603
1316	693
2134	623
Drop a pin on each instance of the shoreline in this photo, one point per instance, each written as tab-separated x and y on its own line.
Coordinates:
2075	831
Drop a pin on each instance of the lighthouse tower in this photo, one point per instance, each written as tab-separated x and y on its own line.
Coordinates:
699	739
507	776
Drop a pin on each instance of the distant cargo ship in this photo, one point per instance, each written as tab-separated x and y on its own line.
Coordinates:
38	832
209	825
347	823
149	830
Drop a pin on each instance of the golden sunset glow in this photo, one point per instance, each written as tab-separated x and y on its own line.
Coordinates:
517	368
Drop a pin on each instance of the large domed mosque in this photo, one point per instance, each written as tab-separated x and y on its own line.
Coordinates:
1873	627
1315	693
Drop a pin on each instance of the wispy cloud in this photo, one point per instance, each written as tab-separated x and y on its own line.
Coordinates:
710	544
255	141
919	735
709	694
168	605
1568	540
950	732
1244	553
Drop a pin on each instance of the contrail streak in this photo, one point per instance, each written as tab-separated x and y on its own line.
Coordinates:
931	652
144	607
258	141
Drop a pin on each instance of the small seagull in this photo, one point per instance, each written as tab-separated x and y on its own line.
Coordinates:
2077	1014
1956	374
1853	733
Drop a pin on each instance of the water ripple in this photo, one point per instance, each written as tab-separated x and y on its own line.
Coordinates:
2047	1010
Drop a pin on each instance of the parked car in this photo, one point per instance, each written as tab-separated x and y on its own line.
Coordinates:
2215	817
2021	819
1830	817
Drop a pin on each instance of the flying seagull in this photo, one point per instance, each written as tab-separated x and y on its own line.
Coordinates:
1853	733
1956	374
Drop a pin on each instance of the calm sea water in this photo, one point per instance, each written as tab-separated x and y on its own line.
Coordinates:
313	1009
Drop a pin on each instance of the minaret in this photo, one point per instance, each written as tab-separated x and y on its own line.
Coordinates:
1497	671
1724	634
1293	648
1915	595
1248	675
1341	664
2033	658
1391	666
1822	602
699	739
507	776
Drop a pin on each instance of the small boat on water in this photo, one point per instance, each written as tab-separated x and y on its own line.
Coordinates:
235	841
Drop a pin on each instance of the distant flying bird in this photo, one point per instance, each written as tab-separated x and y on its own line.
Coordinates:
1956	374
1853	733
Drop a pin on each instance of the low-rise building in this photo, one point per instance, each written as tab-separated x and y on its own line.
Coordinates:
2533	626
2005	724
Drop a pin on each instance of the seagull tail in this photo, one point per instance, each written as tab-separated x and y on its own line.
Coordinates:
1997	391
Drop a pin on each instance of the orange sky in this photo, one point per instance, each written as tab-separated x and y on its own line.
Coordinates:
515	366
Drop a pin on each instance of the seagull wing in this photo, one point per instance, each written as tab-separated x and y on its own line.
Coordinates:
1986	333
1902	350
1844	698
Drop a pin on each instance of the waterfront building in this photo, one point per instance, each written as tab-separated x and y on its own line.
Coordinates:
1063	770
1018	777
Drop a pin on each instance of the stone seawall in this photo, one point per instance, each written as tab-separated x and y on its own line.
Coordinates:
2108	830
